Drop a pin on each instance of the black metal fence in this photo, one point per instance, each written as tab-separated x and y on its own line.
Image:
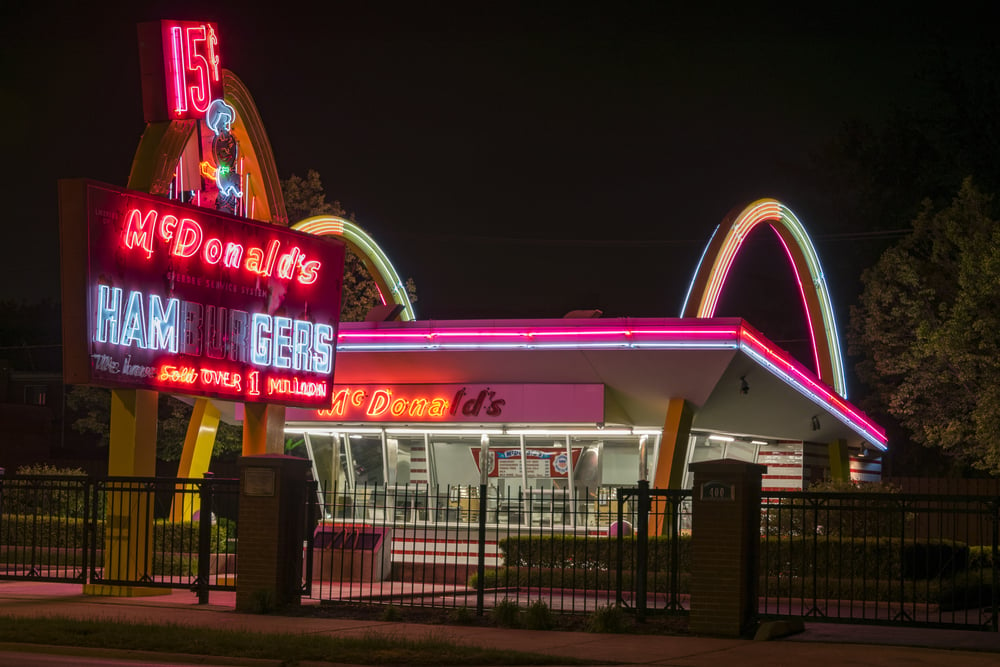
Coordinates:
120	531
476	547
881	558
886	558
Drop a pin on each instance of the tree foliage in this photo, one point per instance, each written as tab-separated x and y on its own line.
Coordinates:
926	326
304	198
91	408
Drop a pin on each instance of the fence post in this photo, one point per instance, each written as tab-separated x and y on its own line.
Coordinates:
312	514
725	541
674	516
91	525
619	525
641	549
995	561
204	538
484	471
84	529
481	558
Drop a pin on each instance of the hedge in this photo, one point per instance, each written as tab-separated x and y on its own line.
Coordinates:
49	532
580	579
885	558
589	553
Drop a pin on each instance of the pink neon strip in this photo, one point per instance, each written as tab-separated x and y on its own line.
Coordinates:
805	304
177	54
790	366
681	333
729	332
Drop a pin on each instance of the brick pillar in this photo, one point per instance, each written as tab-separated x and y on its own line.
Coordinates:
725	541
271	531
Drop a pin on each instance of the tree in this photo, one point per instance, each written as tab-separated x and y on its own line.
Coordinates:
304	198
926	326
92	409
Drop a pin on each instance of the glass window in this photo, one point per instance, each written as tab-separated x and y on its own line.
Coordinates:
367	459
455	458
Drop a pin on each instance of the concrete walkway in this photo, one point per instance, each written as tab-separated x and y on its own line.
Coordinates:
819	644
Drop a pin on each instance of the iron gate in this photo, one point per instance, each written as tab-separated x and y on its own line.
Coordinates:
120	531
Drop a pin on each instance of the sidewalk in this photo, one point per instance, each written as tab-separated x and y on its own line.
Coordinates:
820	644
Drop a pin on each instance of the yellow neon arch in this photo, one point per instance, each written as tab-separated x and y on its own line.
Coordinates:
375	260
713	269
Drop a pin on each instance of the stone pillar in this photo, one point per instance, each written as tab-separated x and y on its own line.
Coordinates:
271	531
725	541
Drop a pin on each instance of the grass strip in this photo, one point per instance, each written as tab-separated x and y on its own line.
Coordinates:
372	649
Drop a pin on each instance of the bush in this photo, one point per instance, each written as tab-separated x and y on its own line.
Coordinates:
461	616
47	490
579	552
980	557
884	558
607	619
592	580
53	532
46	470
538	616
45	532
974	591
182	536
839	509
505	614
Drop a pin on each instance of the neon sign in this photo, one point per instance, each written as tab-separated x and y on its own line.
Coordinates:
417	403
185	238
225	150
163	295
180	69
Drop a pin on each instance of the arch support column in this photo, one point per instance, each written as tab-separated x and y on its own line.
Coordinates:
263	429
669	473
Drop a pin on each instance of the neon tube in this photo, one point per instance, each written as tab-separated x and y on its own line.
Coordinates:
716	271
651	334
359	240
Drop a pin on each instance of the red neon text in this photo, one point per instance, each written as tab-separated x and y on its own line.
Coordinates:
295	387
177	374
236	383
390	402
184	237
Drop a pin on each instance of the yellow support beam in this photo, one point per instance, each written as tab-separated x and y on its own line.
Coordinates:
263	429
128	541
195	457
669	473
840	461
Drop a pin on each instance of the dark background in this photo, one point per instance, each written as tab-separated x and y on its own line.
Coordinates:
513	159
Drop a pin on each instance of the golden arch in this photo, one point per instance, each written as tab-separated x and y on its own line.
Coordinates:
713	269
390	286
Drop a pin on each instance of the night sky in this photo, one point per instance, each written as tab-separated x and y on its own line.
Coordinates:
515	160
